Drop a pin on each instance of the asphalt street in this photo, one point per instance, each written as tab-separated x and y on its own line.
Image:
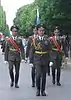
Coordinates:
26	92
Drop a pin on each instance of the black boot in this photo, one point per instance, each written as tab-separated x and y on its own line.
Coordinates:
43	93
12	84
58	83
33	84
38	93
53	82
16	86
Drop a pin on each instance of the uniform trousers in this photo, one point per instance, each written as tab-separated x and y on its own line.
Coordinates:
41	77
33	74
17	68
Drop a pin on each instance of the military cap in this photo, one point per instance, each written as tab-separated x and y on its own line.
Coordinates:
56	27
57	31
34	26
40	25
16	27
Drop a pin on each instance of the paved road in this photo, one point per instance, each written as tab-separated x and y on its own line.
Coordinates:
26	92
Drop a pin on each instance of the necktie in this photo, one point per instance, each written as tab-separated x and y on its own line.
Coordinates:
41	38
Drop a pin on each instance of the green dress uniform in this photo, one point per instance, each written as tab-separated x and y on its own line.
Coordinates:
28	52
14	58
40	58
56	58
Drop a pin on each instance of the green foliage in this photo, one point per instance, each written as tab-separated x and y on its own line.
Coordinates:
52	13
3	26
25	18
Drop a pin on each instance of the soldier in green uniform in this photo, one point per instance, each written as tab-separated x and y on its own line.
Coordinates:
40	57
12	54
28	50
56	56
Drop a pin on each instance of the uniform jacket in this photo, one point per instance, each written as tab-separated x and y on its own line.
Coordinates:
14	55
29	46
55	55
41	46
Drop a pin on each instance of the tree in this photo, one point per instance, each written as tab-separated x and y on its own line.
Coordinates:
25	18
52	13
3	26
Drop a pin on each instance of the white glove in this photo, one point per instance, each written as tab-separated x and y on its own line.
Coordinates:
6	62
31	64
66	58
22	60
51	64
26	59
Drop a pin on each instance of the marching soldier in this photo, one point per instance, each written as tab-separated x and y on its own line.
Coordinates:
28	50
40	57
56	56
12	54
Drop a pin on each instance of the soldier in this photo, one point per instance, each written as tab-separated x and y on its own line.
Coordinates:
40	50
28	50
56	56
12	54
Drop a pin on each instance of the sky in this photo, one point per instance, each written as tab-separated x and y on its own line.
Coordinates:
11	7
